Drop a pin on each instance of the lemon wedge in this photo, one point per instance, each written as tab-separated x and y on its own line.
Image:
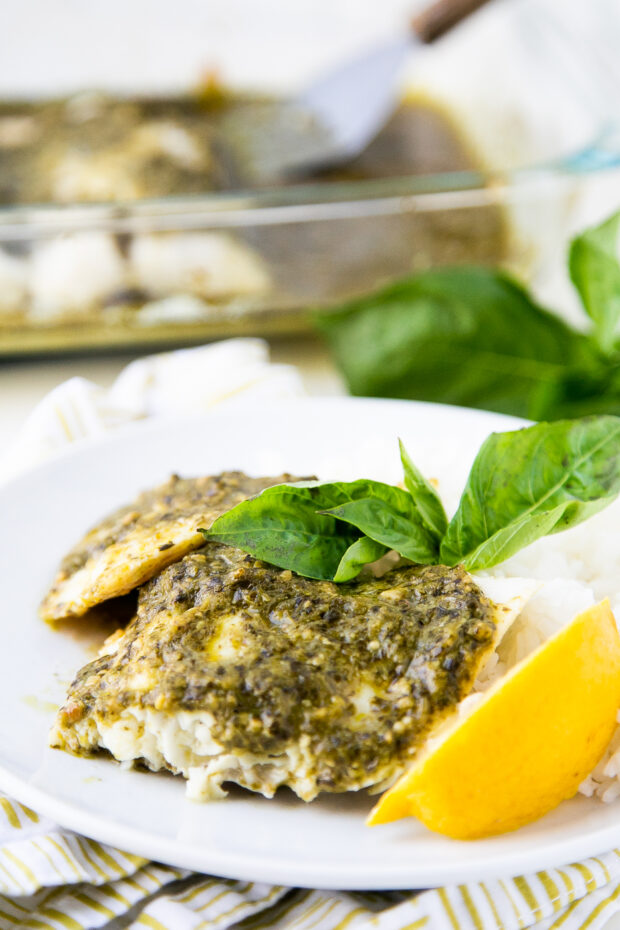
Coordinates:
526	746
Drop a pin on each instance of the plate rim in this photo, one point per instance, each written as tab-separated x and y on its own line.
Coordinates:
252	868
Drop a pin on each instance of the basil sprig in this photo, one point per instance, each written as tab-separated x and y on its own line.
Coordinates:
324	530
474	337
532	482
523	484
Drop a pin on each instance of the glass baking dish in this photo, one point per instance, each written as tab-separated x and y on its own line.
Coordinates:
181	269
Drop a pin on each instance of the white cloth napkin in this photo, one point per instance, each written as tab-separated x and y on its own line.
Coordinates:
185	381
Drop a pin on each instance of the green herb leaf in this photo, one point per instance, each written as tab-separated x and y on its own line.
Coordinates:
282	527
360	553
595	272
424	495
390	504
467	336
527	483
385	524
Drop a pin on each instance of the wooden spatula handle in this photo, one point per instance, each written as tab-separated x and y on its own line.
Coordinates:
441	16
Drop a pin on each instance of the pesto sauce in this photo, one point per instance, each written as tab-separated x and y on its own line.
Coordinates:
354	674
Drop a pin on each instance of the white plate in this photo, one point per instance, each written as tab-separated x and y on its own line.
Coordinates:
323	844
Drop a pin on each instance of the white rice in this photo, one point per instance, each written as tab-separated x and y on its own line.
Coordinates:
576	568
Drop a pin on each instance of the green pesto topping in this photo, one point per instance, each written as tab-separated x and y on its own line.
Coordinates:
355	674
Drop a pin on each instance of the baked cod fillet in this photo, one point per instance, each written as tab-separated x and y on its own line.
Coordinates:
236	671
137	541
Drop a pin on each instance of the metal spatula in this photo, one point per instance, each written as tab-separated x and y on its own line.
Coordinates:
337	116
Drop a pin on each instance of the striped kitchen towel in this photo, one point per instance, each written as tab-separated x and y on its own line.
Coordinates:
53	879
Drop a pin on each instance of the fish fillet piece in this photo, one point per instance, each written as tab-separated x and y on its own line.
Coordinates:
134	543
236	671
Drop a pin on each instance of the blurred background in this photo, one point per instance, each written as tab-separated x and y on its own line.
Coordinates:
131	216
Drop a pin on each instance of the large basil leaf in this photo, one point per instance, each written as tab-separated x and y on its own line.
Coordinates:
595	272
527	483
424	495
394	526
282	527
586	391
467	336
383	512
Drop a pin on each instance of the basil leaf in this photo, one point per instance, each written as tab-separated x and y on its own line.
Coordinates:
527	483
595	272
360	553
505	542
583	392
424	495
386	523
468	336
282	527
